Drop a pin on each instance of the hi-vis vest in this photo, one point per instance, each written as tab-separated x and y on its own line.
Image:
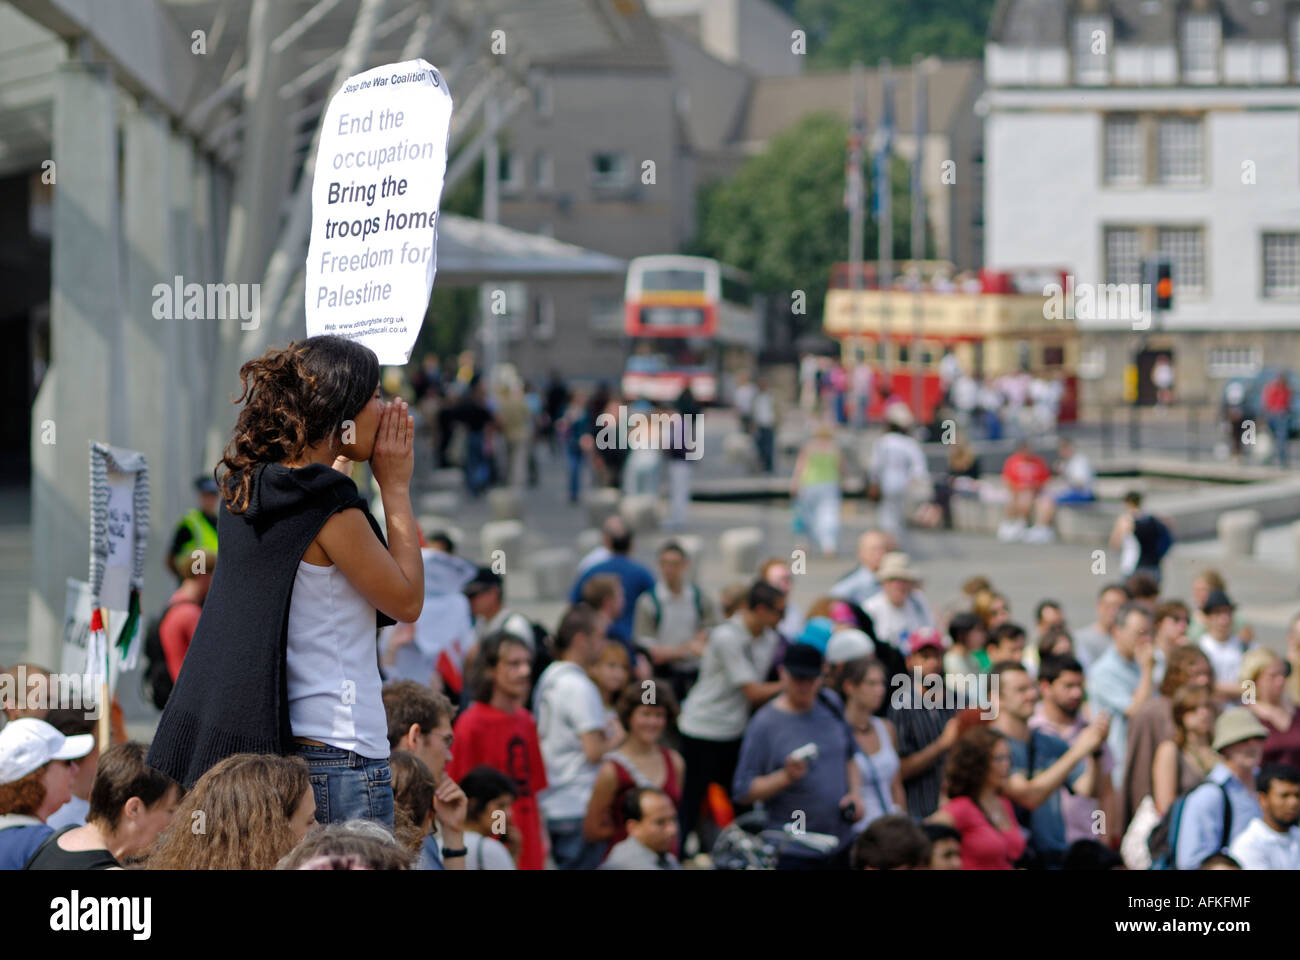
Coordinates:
203	536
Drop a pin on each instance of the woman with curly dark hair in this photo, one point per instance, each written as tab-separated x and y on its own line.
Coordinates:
283	658
245	813
991	839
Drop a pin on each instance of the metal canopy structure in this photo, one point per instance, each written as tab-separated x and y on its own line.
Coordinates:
472	251
184	133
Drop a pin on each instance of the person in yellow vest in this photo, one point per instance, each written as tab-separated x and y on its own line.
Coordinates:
197	529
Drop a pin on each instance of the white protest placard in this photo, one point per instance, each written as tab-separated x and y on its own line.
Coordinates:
81	657
115	591
380	165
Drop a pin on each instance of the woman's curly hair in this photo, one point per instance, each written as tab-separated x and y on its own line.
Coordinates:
237	817
293	399
24	795
970	760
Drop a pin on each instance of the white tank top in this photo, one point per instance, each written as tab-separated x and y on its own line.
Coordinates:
333	669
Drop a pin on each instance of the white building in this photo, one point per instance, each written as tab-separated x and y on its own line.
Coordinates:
1117	129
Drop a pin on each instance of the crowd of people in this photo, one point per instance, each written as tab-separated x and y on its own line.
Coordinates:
866	730
327	711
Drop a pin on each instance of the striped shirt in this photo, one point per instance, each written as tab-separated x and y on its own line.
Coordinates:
919	726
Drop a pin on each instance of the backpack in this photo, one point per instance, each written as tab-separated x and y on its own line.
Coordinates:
659	610
541	659
156	680
1163	842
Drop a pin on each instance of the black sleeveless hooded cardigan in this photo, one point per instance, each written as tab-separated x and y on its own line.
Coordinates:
231	695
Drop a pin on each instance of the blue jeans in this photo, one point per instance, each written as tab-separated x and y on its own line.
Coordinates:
1280	426
575	473
569	849
477	470
348	786
766	440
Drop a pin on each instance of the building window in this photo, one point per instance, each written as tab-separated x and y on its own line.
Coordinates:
1282	264
543	171
1053	356
509	174
1295	47
543	318
608	169
1201	48
1225	362
1092	39
1123	149
543	96
1181	153
607	315
1123	255
1185	248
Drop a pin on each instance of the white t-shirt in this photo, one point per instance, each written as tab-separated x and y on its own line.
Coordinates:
332	673
744	397
568	705
764	411
1078	472
897	460
1260	847
486	853
891	621
1225	658
716	708
965	393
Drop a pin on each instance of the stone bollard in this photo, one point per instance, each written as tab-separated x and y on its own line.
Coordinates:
589	540
740	548
442	502
553	572
505	504
1237	531
506	536
447	478
601	505
1295	537
640	512
739	448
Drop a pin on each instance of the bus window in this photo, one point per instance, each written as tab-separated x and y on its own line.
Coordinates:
673	280
672	317
736	291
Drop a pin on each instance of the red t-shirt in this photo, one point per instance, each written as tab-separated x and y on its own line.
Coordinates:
1277	397
506	742
176	630
983	846
1025	471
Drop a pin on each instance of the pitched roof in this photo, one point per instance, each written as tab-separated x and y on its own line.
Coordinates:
779	103
1150	22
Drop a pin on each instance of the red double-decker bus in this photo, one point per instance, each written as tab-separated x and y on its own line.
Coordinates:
689	321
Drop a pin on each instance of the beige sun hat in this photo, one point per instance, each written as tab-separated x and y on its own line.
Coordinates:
896	566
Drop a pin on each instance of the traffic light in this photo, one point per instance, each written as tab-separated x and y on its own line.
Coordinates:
1160	275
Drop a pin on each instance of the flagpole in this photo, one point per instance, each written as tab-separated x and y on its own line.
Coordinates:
105	729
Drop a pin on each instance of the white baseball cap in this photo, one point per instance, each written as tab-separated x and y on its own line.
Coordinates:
28	744
846	645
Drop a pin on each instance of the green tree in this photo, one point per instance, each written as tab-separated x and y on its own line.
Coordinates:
781	217
841	31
